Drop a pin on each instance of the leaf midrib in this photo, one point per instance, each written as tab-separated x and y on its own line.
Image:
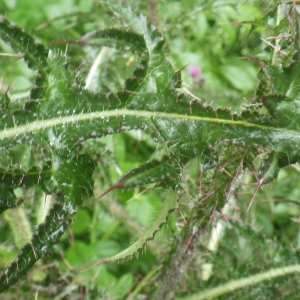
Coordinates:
48	123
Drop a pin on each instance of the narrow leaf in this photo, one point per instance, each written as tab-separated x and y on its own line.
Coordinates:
169	205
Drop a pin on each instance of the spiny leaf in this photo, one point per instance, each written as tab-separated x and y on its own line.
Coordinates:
24	44
169	205
139	24
34	54
22	229
41	143
279	78
166	169
44	237
69	191
116	38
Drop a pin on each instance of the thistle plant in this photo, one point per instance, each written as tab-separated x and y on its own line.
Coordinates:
45	145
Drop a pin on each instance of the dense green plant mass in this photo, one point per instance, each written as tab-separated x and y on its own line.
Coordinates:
52	148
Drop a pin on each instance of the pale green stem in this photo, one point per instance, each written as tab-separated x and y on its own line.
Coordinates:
279	17
94	73
45	202
218	231
234	285
179	263
145	281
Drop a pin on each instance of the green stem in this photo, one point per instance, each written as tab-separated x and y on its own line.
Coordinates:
234	285
143	283
94	73
179	263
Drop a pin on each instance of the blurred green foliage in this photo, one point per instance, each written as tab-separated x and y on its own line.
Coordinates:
198	33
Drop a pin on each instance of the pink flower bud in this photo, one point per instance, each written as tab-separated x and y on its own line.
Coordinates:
194	72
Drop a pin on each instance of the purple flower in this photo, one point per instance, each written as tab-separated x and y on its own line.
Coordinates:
194	72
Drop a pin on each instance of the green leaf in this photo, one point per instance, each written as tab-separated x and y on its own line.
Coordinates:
116	38
242	80
21	229
82	222
168	206
42	139
24	44
43	239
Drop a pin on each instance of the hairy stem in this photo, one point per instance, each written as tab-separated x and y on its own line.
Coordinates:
179	263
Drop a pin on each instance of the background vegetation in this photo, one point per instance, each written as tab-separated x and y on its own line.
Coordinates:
200	35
